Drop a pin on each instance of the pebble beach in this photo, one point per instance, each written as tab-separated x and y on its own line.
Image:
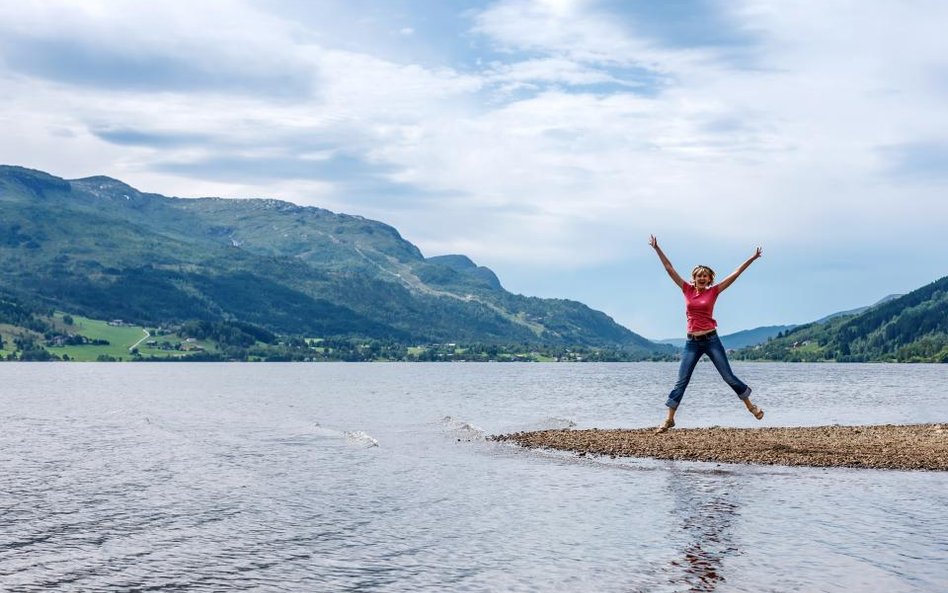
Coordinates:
890	446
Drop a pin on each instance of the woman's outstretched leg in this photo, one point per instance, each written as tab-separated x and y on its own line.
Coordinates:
719	357
689	359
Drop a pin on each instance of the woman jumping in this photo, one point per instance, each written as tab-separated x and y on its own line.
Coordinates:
700	296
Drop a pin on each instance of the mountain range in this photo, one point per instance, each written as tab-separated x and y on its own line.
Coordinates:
100	248
907	328
257	269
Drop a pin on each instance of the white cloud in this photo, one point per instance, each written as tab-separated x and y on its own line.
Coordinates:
572	29
379	91
153	46
571	138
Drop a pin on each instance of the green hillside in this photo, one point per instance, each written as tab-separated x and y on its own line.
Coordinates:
910	328
101	249
36	334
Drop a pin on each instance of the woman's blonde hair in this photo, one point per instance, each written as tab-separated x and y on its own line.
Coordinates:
694	272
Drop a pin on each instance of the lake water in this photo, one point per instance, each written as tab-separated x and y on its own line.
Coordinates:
377	477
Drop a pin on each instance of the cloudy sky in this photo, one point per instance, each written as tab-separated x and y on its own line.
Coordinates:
545	139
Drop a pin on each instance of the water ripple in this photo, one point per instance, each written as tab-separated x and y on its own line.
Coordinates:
264	478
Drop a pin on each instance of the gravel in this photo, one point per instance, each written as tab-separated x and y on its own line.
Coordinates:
890	446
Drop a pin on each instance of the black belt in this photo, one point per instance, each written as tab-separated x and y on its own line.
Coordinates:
707	336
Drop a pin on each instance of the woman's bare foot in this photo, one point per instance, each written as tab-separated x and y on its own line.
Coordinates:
668	423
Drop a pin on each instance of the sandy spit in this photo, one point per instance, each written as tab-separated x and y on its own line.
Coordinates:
889	446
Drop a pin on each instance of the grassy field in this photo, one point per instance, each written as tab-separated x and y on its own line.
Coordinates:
121	339
7	331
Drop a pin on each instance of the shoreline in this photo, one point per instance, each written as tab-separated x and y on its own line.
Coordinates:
888	446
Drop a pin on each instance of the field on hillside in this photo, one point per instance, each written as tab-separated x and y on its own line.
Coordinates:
123	341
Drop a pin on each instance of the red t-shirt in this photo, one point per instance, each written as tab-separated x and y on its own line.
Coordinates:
699	307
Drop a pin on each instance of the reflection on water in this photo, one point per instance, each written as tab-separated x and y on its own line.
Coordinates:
707	505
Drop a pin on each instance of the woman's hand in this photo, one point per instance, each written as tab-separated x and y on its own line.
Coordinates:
654	242
757	254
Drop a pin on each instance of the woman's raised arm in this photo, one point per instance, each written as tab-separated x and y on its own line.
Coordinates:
676	278
733	275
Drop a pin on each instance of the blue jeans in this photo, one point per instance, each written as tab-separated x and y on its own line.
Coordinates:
694	348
